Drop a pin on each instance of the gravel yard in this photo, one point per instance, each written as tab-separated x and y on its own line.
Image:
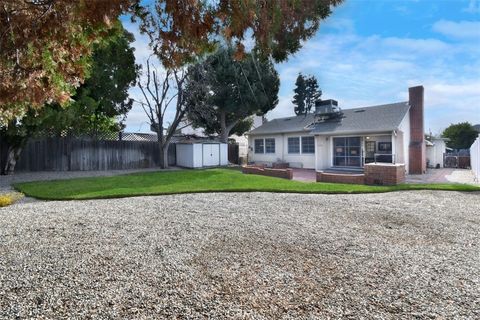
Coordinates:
244	256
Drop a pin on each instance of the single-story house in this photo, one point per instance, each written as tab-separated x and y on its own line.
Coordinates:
332	138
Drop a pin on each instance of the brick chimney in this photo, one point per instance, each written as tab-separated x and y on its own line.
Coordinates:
417	156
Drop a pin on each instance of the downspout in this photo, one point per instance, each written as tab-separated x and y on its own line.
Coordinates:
394	146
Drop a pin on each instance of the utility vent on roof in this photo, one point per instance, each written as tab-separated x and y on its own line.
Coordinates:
362	110
327	110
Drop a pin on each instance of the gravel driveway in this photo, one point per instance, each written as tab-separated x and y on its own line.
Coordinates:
244	256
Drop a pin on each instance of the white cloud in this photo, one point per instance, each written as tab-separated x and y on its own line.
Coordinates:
283	109
458	30
417	46
473	7
363	71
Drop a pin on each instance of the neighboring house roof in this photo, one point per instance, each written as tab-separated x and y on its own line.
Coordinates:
477	127
382	118
193	139
285	125
138	136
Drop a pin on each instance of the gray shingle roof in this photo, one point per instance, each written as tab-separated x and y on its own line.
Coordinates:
382	118
285	125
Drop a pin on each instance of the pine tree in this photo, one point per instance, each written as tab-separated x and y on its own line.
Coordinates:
313	93
300	95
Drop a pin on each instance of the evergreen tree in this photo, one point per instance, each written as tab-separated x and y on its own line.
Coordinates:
300	95
313	93
235	90
307	92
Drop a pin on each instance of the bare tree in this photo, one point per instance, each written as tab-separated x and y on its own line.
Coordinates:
171	89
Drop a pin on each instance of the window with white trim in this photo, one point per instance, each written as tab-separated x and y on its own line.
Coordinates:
270	145
259	146
308	144
294	145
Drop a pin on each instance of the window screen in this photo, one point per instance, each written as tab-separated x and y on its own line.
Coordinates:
308	145
294	145
259	146
270	145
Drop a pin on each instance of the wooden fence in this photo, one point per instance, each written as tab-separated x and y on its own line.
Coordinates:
451	160
233	153
3	153
72	154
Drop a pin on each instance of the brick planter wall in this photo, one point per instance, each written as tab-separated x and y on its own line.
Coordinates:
280	165
340	178
278	173
384	174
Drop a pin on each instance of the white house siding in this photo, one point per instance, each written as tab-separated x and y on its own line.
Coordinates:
435	152
300	160
404	127
323	157
265	158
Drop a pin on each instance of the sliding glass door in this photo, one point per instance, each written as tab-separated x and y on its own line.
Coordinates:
347	152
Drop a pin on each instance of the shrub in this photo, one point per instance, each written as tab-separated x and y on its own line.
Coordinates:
9	198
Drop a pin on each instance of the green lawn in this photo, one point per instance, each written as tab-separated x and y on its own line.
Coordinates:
190	181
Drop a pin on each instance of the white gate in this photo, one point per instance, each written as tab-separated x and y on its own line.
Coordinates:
211	155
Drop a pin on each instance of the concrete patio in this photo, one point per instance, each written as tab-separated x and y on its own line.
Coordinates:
443	175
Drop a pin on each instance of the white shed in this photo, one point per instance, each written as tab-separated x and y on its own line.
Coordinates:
200	154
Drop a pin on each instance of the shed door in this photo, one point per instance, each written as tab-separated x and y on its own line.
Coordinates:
211	155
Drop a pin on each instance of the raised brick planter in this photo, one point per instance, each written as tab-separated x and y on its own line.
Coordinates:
280	165
340	178
278	173
384	173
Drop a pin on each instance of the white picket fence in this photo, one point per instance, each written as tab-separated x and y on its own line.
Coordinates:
475	158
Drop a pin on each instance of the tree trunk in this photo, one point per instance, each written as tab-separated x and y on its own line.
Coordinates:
164	155
13	154
223	127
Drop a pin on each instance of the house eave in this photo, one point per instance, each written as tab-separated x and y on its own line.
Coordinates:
276	132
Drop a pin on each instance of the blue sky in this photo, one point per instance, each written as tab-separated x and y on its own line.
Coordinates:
369	52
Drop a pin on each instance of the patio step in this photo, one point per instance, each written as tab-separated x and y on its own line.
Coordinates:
344	170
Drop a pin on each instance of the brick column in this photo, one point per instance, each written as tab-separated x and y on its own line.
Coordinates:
417	155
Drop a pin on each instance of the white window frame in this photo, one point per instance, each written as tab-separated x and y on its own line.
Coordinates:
301	145
255	146
265	145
